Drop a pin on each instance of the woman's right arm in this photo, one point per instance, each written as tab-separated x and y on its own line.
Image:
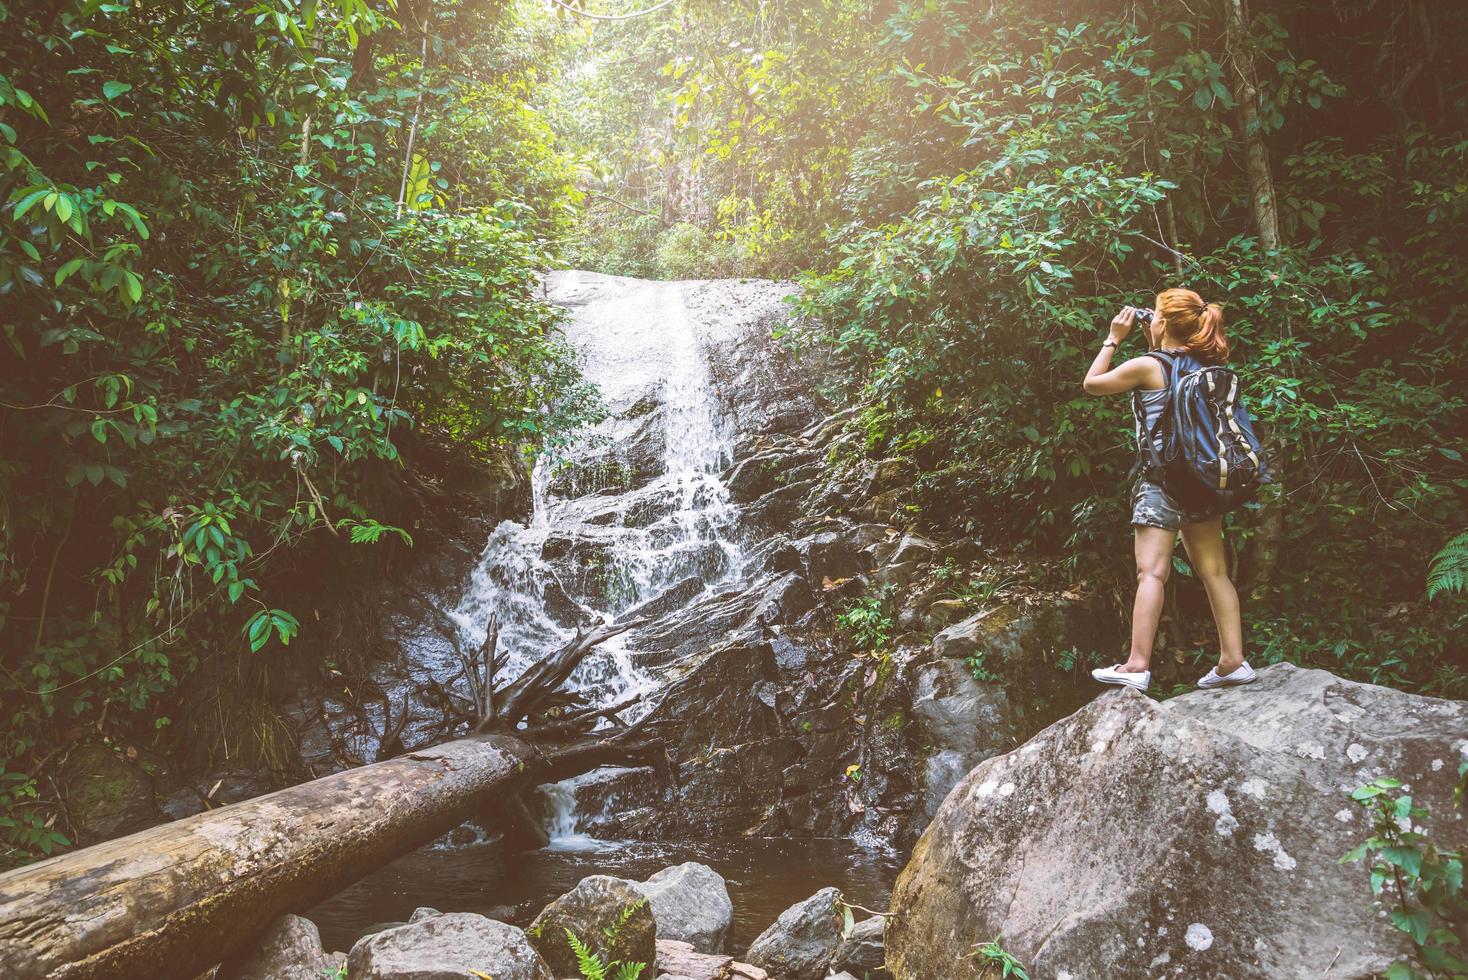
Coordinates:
1102	378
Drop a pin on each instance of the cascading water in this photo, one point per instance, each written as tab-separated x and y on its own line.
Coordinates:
635	521
634	508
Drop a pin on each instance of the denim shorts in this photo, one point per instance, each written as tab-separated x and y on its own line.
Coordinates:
1152	507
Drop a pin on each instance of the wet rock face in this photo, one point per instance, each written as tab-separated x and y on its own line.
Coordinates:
1200	836
609	915
447	947
800	944
992	681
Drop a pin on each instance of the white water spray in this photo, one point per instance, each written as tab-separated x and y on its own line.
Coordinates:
615	546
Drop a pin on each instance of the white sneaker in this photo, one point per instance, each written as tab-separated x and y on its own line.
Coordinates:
1125	678
1242	674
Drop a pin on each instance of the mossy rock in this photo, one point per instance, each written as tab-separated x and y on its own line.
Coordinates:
608	914
105	795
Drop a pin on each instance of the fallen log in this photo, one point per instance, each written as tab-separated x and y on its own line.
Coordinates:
173	900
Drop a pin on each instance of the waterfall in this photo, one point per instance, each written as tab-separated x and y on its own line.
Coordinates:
633	508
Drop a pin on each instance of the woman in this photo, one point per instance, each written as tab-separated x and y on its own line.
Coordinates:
1185	325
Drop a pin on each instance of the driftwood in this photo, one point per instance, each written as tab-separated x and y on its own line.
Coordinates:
174	900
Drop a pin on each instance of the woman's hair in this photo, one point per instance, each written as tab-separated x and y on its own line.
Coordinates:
1197	324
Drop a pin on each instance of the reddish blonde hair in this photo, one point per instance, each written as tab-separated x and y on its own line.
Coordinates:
1197	324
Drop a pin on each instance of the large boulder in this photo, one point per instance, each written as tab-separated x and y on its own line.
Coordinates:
447	947
1200	836
607	914
800	944
289	950
691	904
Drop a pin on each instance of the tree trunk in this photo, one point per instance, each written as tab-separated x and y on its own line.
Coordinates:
1264	557
173	900
1256	154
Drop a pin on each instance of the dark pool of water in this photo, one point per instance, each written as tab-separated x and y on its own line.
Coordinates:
765	877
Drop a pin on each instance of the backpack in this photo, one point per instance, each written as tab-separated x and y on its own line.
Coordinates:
1210	460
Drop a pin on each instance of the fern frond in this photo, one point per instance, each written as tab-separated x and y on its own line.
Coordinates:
1449	569
589	963
628	911
629	971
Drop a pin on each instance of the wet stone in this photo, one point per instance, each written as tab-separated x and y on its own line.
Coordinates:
447	947
802	940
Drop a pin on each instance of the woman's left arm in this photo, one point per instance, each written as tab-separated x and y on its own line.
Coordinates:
1102	378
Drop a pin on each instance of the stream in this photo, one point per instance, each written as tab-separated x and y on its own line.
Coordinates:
765	877
632	520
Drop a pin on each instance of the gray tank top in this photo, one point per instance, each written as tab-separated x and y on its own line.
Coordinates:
1147	409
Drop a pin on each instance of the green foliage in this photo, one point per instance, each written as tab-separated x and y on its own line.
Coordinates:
998	961
975	664
1449	570
234	352
867	621
1423	881
588	962
25	829
686	251
1051	162
712	138
973	589
593	965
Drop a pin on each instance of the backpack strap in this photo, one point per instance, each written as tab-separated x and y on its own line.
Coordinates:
1148	459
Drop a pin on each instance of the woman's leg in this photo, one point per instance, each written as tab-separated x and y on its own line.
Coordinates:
1153	546
1204	544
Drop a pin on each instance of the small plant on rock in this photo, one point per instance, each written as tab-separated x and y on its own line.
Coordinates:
1425	881
866	621
975	664
996	957
1066	660
593	965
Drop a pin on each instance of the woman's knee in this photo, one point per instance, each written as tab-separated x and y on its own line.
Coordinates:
1213	575
1149	572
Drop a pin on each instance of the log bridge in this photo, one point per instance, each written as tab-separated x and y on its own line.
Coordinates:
179	898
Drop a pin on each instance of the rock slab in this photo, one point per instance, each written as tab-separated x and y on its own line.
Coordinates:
1195	837
607	914
680	959
800	944
447	947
